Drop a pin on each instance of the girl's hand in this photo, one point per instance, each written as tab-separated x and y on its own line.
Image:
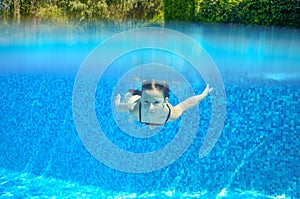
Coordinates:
207	90
118	99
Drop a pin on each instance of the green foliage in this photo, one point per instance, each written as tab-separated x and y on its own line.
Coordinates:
5	7
259	12
51	13
141	10
215	10
87	10
179	10
152	9
268	12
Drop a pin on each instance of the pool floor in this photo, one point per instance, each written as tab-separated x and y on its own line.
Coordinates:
42	156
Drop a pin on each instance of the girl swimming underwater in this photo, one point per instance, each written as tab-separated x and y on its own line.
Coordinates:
151	107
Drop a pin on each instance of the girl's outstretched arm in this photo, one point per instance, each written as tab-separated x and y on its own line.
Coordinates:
189	103
127	106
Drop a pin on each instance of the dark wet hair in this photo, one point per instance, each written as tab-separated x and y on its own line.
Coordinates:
158	85
135	92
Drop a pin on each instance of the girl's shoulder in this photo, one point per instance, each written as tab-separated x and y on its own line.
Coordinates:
175	113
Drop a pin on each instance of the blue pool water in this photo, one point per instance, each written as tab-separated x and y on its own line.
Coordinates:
256	156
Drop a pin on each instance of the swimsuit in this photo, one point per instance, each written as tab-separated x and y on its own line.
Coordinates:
153	124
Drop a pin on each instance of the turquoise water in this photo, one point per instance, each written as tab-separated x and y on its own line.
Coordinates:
256	155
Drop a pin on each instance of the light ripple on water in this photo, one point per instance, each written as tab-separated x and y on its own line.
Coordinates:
26	185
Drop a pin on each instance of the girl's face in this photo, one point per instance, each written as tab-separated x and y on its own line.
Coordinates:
152	101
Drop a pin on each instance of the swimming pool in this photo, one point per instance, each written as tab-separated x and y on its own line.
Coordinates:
256	155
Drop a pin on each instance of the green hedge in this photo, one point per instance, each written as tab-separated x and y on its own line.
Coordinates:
267	12
215	10
259	12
